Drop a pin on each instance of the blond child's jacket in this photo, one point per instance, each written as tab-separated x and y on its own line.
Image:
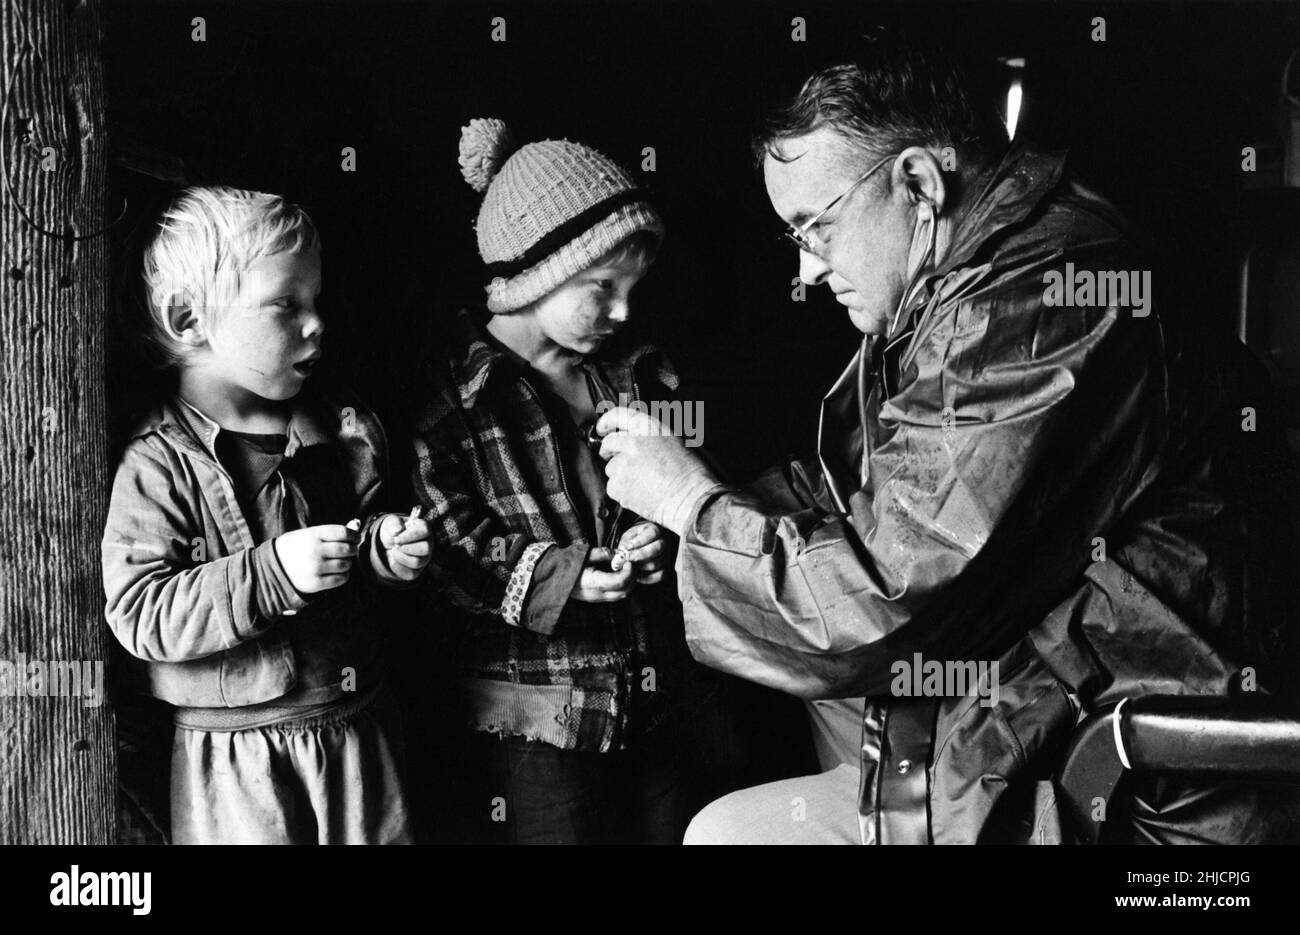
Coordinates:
208	613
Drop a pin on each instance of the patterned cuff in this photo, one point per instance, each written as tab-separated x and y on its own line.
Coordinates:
512	608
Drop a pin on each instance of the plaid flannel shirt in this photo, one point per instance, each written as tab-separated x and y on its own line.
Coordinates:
509	545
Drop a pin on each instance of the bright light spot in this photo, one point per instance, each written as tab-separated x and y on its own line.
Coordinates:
1013	108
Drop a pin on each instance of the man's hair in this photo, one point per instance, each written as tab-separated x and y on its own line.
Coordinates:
200	243
893	96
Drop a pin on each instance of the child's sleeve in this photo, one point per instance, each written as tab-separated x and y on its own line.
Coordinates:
167	602
373	564
487	568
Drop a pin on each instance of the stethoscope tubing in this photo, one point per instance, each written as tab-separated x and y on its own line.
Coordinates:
864	350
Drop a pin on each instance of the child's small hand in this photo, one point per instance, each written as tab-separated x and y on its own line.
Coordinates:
405	541
647	549
597	584
318	558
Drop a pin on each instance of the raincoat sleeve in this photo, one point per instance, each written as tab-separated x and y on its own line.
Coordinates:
1018	433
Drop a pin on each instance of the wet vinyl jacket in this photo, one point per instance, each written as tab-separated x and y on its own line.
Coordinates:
1041	487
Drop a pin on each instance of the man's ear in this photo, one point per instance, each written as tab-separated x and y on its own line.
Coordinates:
918	171
182	318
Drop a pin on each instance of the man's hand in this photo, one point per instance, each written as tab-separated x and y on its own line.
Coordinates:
645	547
597	584
649	470
318	558
404	541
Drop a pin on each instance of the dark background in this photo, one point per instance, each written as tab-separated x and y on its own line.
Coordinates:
1155	117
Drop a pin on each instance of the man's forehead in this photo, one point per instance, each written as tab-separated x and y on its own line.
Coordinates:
813	169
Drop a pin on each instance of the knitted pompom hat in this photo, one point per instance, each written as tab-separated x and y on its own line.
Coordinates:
552	209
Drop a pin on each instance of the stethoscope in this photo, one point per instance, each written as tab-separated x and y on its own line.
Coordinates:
864	350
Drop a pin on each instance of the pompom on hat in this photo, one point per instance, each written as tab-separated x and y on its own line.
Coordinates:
551	209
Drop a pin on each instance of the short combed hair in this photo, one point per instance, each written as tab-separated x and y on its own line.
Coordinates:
895	95
204	238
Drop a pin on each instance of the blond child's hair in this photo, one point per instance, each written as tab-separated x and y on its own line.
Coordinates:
201	243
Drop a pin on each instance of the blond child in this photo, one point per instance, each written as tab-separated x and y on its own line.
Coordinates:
241	532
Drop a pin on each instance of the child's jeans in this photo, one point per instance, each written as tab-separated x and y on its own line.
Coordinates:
536	793
332	779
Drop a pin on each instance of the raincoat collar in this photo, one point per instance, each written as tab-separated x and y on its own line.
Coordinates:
1007	196
1010	193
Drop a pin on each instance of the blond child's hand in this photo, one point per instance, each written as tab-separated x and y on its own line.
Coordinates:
318	558
598	584
646	548
405	542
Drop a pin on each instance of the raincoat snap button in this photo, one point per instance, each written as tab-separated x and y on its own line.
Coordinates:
904	765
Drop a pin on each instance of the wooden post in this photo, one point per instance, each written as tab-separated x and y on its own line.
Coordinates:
57	754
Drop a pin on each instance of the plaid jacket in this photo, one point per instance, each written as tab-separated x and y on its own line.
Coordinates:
488	471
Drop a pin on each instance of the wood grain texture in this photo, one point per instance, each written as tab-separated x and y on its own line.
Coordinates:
57	756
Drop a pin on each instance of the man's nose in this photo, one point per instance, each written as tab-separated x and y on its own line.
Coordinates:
813	270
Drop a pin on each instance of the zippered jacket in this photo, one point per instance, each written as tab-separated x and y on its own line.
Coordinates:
207	613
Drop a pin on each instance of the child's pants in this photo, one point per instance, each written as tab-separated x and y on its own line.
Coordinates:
331	779
539	794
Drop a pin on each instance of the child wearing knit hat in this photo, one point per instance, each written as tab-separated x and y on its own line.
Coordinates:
574	666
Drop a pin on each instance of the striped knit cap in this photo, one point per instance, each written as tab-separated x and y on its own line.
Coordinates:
551	210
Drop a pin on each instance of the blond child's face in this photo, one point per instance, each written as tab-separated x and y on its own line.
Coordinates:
589	308
269	339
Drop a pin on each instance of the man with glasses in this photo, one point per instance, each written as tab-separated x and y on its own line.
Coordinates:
1005	484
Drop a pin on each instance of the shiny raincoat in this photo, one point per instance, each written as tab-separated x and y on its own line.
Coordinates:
1041	486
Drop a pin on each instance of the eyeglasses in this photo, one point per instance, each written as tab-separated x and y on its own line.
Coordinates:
802	237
